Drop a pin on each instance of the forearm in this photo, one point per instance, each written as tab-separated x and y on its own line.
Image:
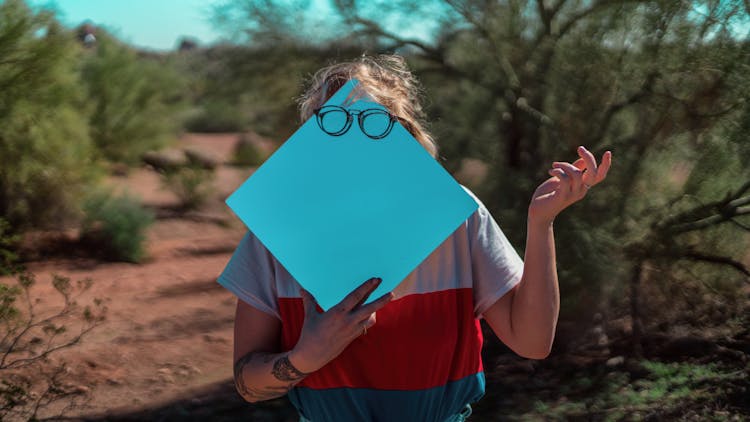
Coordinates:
536	303
262	376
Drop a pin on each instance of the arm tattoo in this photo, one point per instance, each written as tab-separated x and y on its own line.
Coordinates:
283	370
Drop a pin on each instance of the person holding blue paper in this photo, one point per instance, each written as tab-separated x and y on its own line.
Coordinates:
414	353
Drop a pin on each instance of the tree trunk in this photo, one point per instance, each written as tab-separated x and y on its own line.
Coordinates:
635	309
514	135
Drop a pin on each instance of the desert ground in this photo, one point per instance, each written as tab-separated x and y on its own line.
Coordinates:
168	329
164	351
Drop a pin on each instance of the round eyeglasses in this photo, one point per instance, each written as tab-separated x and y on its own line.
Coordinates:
375	123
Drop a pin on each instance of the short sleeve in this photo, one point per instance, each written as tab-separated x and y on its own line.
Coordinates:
495	264
250	275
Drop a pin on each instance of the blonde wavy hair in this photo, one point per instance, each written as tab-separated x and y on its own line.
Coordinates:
386	79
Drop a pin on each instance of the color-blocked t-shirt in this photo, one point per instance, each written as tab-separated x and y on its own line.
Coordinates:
422	360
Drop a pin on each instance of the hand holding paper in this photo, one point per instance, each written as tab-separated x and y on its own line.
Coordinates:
325	335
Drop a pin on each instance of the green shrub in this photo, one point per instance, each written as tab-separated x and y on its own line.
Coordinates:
8	256
32	386
192	185
45	150
134	100
247	153
217	116
115	226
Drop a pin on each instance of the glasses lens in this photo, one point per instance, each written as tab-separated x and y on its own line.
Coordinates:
333	120
376	124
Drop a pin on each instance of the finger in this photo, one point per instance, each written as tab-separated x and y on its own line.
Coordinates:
368	322
571	171
590	161
604	168
373	306
309	302
580	164
557	173
364	299
546	196
360	327
358	295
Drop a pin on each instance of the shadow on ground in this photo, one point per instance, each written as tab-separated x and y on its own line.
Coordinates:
219	402
679	378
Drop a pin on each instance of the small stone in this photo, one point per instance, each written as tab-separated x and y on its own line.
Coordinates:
615	361
113	381
165	160
80	389
201	158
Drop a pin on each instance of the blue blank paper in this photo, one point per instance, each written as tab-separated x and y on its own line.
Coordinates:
338	210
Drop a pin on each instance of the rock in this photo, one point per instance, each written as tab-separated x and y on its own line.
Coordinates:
201	158
113	381
213	339
165	160
190	369
615	361
80	389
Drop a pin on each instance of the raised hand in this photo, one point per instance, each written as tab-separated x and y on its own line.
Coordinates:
569	183
325	335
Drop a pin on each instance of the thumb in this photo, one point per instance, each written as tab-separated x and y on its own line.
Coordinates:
309	302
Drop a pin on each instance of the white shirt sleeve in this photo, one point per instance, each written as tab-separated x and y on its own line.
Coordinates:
495	264
250	275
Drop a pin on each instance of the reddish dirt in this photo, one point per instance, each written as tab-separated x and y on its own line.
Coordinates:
164	351
168	328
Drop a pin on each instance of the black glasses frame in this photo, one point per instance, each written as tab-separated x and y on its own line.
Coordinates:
361	115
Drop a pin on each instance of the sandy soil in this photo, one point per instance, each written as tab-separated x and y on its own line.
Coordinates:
168	328
167	337
165	349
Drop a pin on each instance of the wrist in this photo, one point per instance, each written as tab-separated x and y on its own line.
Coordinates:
536	222
301	362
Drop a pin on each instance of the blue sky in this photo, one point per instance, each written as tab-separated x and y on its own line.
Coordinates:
154	24
159	24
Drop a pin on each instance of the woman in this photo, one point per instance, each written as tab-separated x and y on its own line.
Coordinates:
413	354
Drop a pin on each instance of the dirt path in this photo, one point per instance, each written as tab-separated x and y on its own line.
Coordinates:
169	324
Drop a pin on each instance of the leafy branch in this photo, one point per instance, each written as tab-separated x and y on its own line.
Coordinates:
30	383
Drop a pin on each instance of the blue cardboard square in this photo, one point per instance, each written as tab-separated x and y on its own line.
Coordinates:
338	210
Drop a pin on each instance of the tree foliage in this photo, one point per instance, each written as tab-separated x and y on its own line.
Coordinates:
45	149
114	226
133	100
663	84
253	87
